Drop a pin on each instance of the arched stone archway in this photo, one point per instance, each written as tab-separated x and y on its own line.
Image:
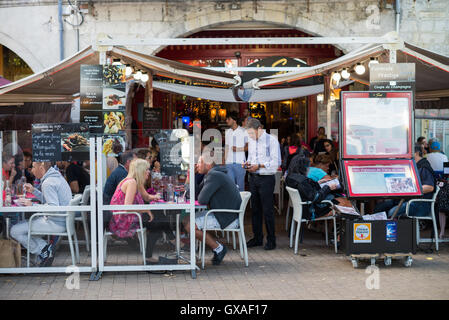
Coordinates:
22	51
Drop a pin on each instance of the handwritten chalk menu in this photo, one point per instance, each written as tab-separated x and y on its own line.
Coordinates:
103	98
152	120
60	142
171	147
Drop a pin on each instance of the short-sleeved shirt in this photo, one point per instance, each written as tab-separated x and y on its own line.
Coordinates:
427	178
237	138
316	174
436	160
75	172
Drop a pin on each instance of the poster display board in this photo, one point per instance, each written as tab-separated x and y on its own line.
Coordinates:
103	98
174	148
381	178
60	142
377	125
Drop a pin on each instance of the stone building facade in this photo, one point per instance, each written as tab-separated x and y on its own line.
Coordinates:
32	30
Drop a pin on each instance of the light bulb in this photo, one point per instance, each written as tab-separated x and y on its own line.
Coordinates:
359	69
372	61
320	97
336	76
138	75
144	77
345	74
128	70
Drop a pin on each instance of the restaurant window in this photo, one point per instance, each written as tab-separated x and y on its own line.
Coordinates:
12	67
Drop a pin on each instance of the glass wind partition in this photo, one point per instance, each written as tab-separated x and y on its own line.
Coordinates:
146	212
48	204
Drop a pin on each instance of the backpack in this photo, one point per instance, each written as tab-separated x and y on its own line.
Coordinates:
310	190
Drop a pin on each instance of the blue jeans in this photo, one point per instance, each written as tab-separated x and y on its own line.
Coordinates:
417	209
237	174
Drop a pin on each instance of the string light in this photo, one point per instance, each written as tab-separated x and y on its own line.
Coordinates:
345	74
138	75
128	70
359	69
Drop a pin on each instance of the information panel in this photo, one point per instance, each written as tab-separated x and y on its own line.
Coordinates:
377	125
381	178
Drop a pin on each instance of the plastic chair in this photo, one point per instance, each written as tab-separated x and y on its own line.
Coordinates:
140	234
69	233
245	195
431	217
83	218
297	203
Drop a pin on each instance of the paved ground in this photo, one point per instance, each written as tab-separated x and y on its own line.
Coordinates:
316	273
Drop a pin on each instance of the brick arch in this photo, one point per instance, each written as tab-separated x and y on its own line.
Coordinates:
22	51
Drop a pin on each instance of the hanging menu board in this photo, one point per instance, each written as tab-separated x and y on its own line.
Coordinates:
377	125
172	144
60	142
152	120
381	178
103	98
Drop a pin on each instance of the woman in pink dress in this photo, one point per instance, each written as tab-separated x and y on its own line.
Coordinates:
128	192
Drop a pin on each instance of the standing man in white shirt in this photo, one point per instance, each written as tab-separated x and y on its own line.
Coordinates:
236	143
264	159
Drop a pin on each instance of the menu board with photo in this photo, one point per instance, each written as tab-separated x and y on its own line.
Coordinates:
173	152
377	125
384	178
103	98
60	142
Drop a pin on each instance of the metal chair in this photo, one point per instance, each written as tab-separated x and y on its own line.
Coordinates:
245	195
297	203
69	233
140	234
431	217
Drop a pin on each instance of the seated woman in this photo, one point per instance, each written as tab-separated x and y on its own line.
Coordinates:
131	190
332	152
318	171
309	189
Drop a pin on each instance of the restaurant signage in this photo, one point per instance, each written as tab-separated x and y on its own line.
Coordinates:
60	142
392	77
152	120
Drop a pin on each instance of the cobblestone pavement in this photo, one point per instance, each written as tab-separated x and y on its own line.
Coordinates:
315	273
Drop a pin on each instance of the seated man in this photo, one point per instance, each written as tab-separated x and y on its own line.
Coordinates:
428	181
77	177
55	192
218	191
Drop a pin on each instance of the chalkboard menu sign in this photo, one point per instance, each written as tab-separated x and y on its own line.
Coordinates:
152	120
60	142
170	144
103	98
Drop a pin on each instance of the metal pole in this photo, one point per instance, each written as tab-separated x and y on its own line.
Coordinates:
93	204
61	31
192	206
100	204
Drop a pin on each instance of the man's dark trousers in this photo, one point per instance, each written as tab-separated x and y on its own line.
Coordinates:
262	205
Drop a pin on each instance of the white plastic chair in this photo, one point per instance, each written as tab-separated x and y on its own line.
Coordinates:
140	234
69	233
245	195
431	217
83	218
297	203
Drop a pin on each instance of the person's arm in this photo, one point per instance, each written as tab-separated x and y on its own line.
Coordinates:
146	196
210	186
427	189
130	190
50	194
274	161
74	186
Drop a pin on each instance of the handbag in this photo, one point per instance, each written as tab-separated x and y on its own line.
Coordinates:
10	254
